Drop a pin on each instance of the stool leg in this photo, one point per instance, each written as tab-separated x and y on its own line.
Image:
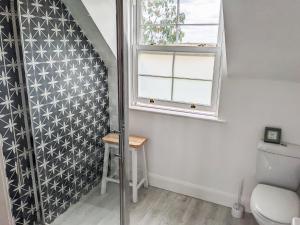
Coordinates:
105	169
134	176
145	169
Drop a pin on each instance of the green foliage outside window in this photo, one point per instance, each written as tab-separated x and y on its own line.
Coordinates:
160	21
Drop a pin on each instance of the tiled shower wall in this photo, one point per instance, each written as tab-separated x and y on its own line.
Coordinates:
68	98
14	121
67	93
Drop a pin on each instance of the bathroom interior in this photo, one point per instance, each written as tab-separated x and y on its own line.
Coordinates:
149	112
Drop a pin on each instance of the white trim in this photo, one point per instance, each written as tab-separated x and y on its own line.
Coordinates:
217	50
181	113
196	191
176	48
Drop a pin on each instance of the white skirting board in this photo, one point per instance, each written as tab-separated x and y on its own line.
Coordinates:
196	191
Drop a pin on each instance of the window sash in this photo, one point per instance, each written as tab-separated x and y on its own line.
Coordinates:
173	79
173	90
136	48
176	25
136	100
176	48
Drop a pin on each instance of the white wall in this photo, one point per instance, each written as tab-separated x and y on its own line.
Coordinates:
262	38
103	13
208	159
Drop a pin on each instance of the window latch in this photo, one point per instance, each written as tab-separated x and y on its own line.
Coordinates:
193	106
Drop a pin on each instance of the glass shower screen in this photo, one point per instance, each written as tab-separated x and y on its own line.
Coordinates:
67	52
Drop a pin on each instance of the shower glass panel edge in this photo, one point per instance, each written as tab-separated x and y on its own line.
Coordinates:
122	64
36	179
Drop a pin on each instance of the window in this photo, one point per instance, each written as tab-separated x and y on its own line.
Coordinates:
177	48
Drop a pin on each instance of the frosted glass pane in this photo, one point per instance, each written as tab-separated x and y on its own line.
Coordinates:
155	64
200	11
199	34
191	91
155	87
194	66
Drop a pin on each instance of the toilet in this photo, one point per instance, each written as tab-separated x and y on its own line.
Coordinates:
274	200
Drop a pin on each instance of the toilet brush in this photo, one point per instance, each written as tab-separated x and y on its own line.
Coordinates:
237	209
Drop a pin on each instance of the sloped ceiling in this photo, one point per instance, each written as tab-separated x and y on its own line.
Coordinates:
103	13
92	31
263	38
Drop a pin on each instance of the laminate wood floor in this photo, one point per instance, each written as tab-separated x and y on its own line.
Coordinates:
155	207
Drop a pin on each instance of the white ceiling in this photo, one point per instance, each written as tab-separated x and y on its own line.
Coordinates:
103	13
263	38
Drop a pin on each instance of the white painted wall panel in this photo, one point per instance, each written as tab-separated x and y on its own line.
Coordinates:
208	159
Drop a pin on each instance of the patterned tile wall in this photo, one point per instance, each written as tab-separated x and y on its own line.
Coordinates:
13	121
68	97
67	94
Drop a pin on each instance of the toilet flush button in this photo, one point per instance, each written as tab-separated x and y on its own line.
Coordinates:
296	221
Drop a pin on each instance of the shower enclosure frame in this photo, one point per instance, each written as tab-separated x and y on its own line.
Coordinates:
122	67
122	21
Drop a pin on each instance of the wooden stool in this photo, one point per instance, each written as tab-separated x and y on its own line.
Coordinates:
136	144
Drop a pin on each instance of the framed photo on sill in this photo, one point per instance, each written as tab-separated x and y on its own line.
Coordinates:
272	135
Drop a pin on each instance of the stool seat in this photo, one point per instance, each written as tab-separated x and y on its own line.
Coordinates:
137	146
135	142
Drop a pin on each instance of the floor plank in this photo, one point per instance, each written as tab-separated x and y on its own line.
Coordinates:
155	207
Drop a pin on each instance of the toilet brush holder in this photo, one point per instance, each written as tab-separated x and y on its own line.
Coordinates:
237	210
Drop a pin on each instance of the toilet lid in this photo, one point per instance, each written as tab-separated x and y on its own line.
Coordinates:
277	204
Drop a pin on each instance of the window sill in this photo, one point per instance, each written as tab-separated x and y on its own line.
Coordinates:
178	113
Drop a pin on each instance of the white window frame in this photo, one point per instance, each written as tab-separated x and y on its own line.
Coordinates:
171	107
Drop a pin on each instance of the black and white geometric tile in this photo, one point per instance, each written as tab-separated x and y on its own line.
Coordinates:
67	93
68	98
13	121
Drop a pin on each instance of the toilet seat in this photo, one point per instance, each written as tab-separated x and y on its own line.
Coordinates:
274	205
265	221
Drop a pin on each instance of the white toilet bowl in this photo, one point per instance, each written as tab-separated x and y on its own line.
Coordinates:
261	220
274	206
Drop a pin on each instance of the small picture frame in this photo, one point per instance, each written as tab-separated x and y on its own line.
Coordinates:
272	135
